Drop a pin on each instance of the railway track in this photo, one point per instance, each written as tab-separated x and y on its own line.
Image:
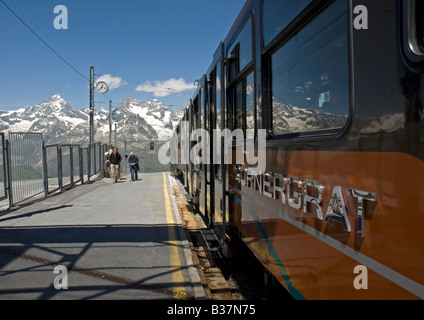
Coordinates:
240	277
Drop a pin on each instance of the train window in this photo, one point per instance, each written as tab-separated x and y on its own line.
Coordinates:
278	14
219	122
244	105
310	87
250	101
238	112
202	109
207	109
195	122
240	52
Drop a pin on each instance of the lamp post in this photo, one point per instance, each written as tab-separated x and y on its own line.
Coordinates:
110	122
91	105
115	134
102	87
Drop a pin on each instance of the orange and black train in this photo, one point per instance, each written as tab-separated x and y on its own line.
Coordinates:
336	87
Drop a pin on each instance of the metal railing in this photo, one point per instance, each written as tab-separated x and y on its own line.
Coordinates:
3	175
29	168
25	166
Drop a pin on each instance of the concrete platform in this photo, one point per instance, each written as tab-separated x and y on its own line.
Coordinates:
113	241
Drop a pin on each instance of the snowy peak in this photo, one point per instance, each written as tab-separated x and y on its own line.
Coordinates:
160	117
127	100
54	104
59	122
55	100
289	119
132	105
54	107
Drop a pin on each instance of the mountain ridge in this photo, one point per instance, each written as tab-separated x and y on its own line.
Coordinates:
60	123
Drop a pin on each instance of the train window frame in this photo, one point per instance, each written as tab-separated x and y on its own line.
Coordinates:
412	30
232	53
311	12
216	92
202	107
219	121
284	25
195	114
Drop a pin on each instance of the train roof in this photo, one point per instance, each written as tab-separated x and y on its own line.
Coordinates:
235	24
227	38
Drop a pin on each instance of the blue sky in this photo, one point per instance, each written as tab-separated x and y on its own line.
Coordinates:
149	45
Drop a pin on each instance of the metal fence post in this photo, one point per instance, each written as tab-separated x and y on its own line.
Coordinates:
100	157
81	164
3	163
9	174
89	162
71	164
59	166
45	175
94	158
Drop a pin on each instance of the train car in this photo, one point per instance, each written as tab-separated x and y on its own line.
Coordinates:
336	87
177	165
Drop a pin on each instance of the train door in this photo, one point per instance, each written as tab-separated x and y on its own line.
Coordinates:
217	167
187	137
202	148
184	135
209	165
193	168
240	109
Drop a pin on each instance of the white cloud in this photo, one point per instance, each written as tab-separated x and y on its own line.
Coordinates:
112	82
165	88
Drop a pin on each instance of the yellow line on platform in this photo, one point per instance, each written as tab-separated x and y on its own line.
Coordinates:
177	274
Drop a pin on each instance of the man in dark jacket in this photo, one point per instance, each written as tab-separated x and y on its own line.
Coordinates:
115	162
134	166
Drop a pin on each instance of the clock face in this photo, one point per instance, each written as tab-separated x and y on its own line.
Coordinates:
102	87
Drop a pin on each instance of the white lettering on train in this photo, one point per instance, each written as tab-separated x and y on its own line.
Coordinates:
297	194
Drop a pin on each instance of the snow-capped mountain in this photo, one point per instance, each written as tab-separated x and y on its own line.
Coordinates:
290	119
59	122
161	118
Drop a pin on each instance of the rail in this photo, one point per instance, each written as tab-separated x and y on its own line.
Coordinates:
29	168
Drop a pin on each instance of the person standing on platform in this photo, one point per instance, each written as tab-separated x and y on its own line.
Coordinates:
107	156
115	162
134	166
